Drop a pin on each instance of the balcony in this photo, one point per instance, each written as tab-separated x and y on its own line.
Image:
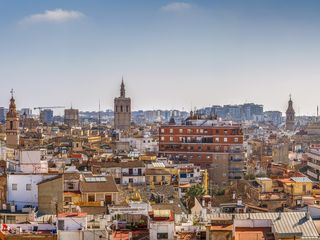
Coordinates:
313	165
132	174
90	204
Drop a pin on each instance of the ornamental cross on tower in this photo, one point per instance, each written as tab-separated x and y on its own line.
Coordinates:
12	92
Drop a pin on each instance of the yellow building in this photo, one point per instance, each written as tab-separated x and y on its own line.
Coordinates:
297	186
265	183
158	176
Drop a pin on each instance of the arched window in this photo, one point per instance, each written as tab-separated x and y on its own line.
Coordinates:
11	125
127	108
121	107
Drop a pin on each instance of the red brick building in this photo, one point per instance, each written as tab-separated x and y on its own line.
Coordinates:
212	144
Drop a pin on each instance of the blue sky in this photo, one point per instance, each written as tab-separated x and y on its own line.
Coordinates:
172	54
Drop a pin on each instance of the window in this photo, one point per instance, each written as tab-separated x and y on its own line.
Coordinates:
171	130
171	139
28	187
225	139
162	235
201	130
11	125
60	224
11	219
225	132
217	139
180	130
162	138
70	186
121	108
127	108
162	130
189	131
236	140
304	188
91	198
14	187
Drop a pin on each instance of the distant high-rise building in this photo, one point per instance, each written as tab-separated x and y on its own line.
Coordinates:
27	112
46	116
290	116
275	117
122	110
3	113
71	117
12	124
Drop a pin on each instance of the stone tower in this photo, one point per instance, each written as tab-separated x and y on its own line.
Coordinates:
12	125
290	116
122	110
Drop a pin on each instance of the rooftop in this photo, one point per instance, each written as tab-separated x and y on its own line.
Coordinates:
72	215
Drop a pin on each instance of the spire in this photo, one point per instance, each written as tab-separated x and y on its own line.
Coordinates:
12	106
11	93
122	90
290	106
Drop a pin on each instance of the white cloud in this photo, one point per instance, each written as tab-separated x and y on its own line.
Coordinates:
176	7
57	15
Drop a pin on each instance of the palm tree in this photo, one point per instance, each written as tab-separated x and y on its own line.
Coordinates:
193	192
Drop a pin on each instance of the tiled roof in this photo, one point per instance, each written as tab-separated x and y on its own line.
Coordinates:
107	186
286	223
128	164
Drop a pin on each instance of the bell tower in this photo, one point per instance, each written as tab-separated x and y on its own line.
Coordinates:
122	110
12	124
290	116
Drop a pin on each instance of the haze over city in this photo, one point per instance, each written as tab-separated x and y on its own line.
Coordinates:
171	54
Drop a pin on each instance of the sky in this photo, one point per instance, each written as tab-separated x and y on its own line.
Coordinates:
171	54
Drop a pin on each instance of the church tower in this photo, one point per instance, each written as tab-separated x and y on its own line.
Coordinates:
290	116
12	124
122	110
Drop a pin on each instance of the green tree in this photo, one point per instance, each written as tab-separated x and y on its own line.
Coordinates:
192	193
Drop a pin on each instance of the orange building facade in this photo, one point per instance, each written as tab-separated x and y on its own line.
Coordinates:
213	145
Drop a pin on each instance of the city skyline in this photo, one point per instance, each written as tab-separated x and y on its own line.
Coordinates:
172	54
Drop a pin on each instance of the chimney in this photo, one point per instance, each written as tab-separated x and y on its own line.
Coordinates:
307	215
279	216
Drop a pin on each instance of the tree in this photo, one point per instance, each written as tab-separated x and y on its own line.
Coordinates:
193	192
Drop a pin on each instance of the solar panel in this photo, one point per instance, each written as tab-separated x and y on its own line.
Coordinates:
95	179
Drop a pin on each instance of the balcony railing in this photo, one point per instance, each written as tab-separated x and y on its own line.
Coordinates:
133	174
90	204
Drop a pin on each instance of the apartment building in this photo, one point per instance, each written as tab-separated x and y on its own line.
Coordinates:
206	142
314	163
